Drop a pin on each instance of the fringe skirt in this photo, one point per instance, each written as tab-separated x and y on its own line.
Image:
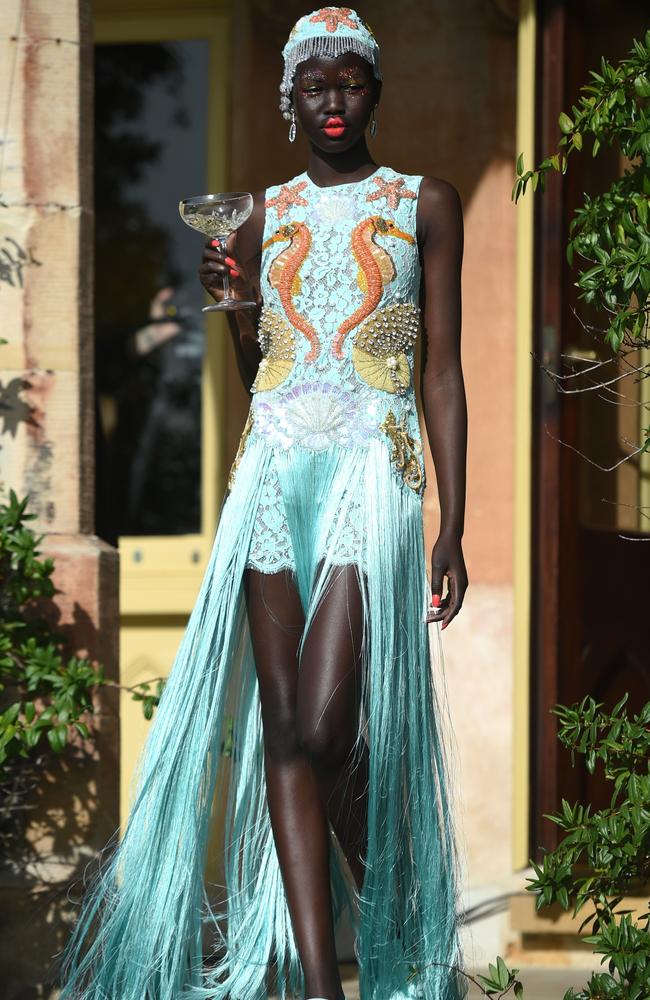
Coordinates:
141	929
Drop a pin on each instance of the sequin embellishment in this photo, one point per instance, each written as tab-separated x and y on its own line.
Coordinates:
288	196
316	415
333	16
376	269
405	451
284	276
278	346
392	191
248	426
379	351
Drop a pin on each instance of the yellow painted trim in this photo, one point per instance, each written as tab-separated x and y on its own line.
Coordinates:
167	573
523	439
644	461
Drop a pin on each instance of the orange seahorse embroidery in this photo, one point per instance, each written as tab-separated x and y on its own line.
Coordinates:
284	276
376	269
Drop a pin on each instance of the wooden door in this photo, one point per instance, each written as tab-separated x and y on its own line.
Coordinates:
590	559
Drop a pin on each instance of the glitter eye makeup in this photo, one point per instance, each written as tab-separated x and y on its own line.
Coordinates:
352	77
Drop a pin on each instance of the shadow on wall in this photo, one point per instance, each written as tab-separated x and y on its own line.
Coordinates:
52	823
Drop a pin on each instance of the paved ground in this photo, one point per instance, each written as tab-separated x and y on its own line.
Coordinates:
539	983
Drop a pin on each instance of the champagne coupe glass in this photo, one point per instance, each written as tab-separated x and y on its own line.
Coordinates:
217	216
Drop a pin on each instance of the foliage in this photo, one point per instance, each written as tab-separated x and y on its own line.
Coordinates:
605	854
500	981
45	693
48	693
610	231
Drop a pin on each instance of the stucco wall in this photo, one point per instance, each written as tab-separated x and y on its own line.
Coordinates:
46	447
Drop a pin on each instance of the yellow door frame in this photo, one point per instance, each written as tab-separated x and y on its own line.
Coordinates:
525	132
160	576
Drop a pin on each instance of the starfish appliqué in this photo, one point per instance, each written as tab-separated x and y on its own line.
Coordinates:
333	16
392	191
288	196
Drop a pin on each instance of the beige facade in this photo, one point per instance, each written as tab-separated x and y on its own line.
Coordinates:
453	106
46	448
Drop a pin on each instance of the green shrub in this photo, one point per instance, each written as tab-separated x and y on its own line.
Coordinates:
46	696
605	854
609	232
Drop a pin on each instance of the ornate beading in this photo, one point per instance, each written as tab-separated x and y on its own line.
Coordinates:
405	452
381	347
278	345
243	441
340	284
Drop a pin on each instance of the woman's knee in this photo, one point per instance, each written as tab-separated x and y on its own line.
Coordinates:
281	741
327	743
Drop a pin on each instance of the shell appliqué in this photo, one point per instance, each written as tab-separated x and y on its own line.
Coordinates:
278	345
405	451
243	441
315	415
381	346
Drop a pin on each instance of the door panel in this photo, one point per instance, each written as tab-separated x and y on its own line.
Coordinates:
590	581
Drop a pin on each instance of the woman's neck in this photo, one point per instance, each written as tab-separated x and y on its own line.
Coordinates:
354	164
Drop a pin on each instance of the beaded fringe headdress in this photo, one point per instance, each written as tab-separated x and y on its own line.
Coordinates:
329	32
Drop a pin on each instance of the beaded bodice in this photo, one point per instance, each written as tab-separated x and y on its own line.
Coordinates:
340	280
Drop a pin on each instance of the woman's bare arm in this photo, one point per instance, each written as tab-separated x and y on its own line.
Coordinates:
440	238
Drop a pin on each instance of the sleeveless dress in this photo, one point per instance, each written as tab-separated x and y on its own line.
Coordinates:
329	471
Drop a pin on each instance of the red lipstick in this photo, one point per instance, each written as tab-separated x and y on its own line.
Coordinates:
334	128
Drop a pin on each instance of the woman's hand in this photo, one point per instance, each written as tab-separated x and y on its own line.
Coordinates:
216	264
447	560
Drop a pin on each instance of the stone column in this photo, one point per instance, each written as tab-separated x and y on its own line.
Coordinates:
47	420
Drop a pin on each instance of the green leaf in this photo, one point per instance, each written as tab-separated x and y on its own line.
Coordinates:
58	737
503	974
642	86
565	123
520	164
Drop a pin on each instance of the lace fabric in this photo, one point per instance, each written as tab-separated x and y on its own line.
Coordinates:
340	280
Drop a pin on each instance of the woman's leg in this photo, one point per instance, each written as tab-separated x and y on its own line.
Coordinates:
296	809
329	692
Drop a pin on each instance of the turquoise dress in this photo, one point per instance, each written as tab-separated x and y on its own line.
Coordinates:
329	471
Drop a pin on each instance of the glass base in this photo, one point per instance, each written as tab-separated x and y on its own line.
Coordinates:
229	304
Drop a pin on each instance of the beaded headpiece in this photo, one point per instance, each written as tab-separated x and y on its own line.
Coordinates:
329	32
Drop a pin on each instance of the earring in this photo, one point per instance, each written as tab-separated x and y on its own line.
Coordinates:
373	124
292	127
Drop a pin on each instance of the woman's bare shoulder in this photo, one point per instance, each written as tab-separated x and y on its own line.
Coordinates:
440	208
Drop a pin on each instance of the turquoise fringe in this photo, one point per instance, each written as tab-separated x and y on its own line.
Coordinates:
141	931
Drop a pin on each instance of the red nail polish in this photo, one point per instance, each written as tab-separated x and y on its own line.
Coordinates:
215	243
229	260
233	273
435	600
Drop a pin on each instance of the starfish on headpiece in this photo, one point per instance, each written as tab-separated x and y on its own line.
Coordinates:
391	191
288	196
333	16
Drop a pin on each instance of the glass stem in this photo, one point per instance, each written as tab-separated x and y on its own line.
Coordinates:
226	280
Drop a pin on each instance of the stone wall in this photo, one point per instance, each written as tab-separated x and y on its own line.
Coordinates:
46	442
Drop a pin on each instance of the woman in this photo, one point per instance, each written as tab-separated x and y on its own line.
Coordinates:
310	630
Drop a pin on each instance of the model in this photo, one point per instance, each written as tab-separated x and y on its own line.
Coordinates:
309	641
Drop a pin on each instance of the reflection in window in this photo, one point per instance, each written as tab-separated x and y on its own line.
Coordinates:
150	151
